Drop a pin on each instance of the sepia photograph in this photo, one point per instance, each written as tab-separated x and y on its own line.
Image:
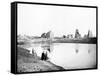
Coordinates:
53	37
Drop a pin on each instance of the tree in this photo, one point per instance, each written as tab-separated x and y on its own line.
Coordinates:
64	36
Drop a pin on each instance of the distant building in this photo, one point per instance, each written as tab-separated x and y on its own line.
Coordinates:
85	36
43	35
89	34
70	36
77	34
47	35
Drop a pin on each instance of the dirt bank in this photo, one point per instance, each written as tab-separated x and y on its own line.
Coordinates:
32	63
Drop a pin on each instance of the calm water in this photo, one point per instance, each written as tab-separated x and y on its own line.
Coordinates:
69	55
73	56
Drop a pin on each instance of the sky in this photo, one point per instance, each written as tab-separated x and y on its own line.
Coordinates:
34	20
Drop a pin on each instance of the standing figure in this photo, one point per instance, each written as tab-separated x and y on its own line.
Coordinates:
46	56
32	51
43	56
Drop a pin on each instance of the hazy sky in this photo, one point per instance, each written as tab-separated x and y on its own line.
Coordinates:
61	20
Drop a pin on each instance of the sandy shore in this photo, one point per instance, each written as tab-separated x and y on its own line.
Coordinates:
32	63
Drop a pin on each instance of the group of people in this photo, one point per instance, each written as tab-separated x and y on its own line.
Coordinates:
44	56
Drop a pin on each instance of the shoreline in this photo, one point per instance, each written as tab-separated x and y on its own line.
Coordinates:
40	66
59	40
32	63
82	40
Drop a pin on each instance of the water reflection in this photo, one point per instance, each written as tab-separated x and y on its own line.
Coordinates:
77	50
72	56
48	47
89	51
68	55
